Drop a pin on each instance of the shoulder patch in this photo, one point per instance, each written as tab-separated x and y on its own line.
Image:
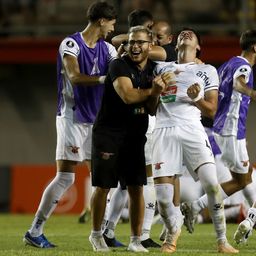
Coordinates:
70	44
243	70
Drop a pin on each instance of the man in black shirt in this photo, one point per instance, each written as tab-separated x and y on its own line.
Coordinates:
118	141
163	37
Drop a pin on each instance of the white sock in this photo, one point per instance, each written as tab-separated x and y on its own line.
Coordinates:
208	178
134	239
164	195
250	193
150	202
202	202
96	233
115	207
50	198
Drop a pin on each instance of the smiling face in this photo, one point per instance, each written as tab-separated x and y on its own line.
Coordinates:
107	27
139	45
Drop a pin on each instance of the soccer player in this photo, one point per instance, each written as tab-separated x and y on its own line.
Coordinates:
179	137
81	68
119	134
235	92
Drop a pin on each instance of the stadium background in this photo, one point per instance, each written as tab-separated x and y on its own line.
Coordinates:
30	32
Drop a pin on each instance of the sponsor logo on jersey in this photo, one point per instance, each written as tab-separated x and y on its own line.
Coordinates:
204	76
74	149
243	70
169	95
70	44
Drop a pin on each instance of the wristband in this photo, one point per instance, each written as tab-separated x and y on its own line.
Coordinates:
197	98
102	79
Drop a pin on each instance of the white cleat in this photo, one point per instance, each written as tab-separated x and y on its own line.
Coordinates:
136	246
243	232
98	244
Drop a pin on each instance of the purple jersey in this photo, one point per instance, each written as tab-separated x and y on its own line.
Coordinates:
231	115
214	145
79	102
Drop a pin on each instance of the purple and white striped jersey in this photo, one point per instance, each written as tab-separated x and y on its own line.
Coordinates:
78	102
231	115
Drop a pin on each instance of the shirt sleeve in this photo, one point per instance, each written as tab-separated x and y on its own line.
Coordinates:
69	46
112	52
243	70
118	68
211	78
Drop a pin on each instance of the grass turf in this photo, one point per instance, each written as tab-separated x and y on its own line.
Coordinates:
72	238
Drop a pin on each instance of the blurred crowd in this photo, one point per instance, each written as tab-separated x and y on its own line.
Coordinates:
25	17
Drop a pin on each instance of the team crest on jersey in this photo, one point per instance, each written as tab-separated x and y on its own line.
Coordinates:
243	70
245	163
70	44
158	166
74	149
106	155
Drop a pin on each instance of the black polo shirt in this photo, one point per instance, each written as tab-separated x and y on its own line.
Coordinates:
114	114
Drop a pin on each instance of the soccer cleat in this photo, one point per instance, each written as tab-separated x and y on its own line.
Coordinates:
112	242
170	242
136	246
163	233
243	231
98	244
38	241
150	243
225	247
189	216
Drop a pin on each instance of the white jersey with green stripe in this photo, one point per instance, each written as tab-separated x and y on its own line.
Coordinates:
175	107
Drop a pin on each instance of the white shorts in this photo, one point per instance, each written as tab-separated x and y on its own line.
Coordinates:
148	149
74	140
233	153
173	146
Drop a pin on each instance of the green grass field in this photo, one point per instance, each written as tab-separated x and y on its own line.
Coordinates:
72	238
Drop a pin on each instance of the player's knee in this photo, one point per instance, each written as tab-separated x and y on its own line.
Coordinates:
211	189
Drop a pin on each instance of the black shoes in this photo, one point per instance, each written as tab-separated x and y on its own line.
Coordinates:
150	243
112	242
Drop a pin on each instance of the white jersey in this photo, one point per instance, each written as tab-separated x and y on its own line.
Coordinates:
176	108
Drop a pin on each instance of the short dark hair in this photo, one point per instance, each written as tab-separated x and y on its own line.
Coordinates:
198	52
139	17
99	10
248	39
143	30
